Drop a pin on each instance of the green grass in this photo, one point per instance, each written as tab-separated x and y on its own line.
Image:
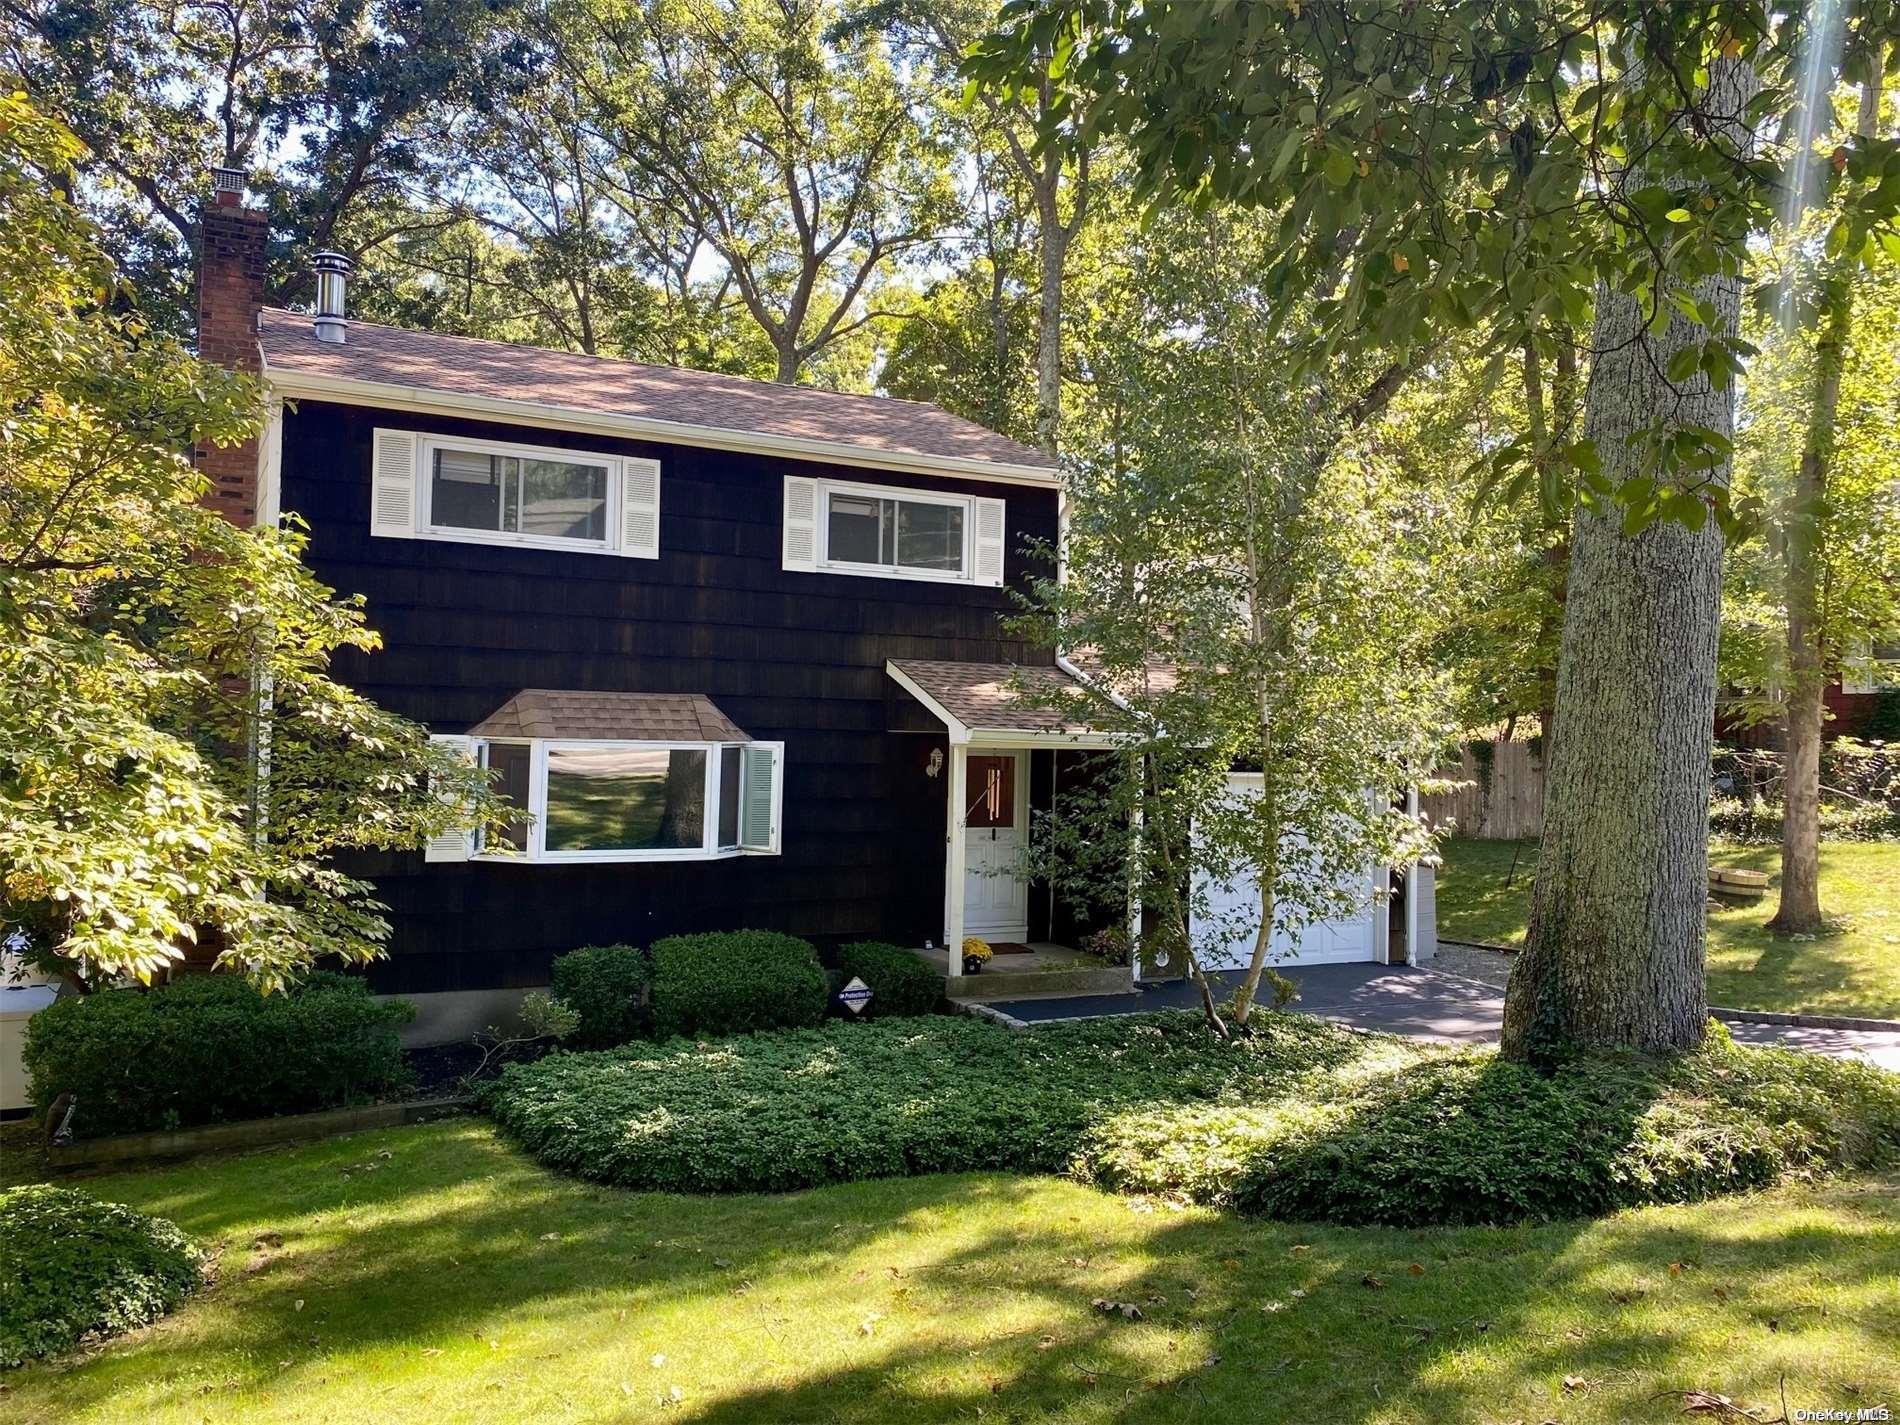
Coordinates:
431	1275
1854	969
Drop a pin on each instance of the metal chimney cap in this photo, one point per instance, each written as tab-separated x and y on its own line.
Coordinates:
331	321
227	185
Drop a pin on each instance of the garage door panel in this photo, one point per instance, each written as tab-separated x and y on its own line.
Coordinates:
1223	939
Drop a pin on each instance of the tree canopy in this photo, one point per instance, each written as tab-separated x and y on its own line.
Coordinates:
157	659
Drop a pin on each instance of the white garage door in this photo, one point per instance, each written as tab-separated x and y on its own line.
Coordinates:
1220	945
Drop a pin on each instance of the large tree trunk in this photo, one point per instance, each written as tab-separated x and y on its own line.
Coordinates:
1615	951
1054	257
1805	553
1800	909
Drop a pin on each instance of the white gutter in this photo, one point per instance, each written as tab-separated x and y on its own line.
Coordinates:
1062	662
424	400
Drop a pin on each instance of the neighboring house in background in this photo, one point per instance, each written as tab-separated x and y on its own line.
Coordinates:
1851	699
735	648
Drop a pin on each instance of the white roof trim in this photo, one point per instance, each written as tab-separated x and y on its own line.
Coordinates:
1008	737
958	732
425	400
963	733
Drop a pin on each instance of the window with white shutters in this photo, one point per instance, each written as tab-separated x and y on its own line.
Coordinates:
845	527
427	486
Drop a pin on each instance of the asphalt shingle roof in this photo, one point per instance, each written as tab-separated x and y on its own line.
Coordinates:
633	717
562	380
985	694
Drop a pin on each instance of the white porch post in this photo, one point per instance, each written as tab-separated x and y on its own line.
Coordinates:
1421	904
953	856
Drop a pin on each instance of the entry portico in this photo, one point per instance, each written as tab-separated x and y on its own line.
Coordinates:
995	716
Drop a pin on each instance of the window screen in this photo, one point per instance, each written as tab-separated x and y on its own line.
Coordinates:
512	494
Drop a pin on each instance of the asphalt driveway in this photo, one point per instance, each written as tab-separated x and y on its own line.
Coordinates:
1426	1004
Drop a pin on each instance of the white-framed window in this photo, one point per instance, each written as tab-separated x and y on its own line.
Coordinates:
1873	665
456	488
613	800
846	527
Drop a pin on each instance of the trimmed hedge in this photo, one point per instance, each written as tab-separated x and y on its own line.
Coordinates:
1293	1118
72	1267
210	1048
901	983
1758	823
732	981
607	985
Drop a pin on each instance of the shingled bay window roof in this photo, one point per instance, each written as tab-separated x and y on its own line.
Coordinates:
571	716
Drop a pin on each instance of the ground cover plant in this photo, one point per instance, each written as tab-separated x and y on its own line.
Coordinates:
432	1276
1294	1119
212	1048
1853	968
72	1267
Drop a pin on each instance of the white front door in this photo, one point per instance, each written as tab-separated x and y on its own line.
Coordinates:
996	823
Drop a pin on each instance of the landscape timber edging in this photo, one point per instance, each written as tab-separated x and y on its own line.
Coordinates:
249	1133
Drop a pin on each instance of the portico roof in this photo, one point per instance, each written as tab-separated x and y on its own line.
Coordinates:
1000	704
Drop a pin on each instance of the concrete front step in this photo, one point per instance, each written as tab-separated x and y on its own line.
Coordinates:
1023	984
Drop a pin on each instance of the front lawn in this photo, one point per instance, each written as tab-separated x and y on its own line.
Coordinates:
433	1276
1854	970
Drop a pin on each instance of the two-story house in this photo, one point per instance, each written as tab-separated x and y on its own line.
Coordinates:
735	648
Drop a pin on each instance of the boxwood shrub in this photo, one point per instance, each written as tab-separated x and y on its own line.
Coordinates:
1292	1118
901	983
608	986
72	1267
210	1048
736	980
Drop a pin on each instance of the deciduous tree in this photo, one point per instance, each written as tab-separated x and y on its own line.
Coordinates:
175	763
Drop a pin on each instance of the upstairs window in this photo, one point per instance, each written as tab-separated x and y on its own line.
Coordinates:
496	492
893	534
517	494
843	527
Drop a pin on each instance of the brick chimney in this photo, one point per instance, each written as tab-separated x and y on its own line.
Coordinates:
230	294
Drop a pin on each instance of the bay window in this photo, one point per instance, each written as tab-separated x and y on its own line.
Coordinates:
606	800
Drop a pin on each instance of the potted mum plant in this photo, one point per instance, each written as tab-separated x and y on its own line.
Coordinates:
976	953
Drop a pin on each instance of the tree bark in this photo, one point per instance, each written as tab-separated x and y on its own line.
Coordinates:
1799	911
1054	256
1614	956
1804	553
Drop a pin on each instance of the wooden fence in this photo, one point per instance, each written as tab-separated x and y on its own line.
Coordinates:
1501	802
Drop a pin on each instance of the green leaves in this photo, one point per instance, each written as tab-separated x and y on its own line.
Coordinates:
133	622
1684	364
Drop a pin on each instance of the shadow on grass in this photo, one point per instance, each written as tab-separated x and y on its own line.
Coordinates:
933	1298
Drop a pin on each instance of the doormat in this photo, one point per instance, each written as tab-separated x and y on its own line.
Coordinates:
1010	947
